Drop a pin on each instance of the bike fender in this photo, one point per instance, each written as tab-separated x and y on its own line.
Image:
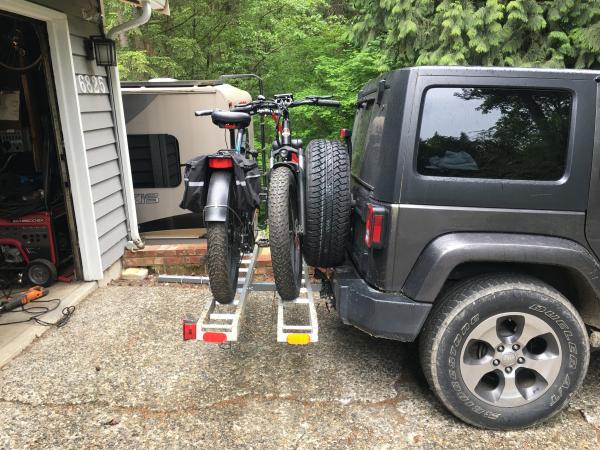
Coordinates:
217	198
290	165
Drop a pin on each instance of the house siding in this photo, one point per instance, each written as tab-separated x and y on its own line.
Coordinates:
100	136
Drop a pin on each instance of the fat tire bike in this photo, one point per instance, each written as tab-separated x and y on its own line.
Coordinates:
230	232
286	192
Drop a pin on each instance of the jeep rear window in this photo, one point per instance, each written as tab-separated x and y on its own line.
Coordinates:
360	135
497	133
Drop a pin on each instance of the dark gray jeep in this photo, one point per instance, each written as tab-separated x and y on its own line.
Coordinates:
476	229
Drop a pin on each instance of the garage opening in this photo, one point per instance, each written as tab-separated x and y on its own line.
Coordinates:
38	239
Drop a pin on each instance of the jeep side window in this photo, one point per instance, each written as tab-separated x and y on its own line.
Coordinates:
497	133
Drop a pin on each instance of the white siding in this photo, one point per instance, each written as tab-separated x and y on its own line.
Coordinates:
102	156
99	133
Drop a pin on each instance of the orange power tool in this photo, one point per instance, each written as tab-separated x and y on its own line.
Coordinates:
31	294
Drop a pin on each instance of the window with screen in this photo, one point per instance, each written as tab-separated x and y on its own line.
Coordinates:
154	160
497	133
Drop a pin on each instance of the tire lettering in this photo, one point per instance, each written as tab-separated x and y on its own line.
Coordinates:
565	385
572	361
464	329
457	339
568	334
562	325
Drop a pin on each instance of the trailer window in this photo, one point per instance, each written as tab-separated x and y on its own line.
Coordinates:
497	133
154	160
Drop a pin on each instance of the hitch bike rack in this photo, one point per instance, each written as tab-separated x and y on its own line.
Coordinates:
221	323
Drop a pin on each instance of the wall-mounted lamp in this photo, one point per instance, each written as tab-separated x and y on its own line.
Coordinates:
102	49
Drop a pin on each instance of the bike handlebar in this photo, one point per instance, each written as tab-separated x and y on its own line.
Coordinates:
266	106
331	103
247	108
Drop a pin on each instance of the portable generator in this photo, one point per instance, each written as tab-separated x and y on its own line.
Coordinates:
35	247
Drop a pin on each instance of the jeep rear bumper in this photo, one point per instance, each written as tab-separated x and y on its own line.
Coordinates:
380	314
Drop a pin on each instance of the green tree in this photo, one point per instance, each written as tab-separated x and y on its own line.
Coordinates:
298	46
544	33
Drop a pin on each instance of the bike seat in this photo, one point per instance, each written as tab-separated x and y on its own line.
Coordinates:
230	120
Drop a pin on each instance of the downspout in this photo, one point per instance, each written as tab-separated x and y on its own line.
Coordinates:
123	148
140	20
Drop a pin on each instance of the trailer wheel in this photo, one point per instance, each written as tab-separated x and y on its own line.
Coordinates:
328	203
41	272
504	351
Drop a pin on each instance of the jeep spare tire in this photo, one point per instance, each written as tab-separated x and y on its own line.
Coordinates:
328	203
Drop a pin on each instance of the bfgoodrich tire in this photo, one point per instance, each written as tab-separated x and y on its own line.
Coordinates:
504	351
328	203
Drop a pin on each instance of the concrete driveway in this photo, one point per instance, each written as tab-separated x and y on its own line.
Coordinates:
119	375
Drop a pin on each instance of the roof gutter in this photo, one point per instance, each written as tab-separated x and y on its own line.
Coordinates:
135	241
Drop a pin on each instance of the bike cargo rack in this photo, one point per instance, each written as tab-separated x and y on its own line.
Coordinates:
221	323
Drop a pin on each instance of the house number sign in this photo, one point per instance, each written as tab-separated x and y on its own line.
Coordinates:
91	84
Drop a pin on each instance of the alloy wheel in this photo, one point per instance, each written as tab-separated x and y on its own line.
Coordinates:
510	359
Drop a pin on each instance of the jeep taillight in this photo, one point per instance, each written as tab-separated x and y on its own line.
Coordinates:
374	224
220	163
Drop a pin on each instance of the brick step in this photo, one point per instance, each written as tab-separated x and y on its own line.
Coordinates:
182	258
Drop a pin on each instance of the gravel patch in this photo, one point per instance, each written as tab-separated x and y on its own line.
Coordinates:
119	375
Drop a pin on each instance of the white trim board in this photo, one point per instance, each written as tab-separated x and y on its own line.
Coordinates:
72	129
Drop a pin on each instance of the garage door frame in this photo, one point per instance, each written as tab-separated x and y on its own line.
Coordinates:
72	129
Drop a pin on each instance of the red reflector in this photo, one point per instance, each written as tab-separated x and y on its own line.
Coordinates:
295	157
215	338
220	163
345	133
189	330
230	126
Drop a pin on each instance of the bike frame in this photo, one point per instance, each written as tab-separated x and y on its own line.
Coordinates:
284	137
237	139
293	158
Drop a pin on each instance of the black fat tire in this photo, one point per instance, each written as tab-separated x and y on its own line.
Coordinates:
473	301
41	272
286	262
222	269
328	203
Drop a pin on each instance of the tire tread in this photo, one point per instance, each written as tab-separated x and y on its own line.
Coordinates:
328	203
286	281
220	284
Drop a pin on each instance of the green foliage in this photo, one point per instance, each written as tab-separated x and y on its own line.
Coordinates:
548	33
335	46
298	46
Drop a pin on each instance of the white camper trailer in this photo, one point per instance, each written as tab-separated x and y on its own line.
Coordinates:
163	134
